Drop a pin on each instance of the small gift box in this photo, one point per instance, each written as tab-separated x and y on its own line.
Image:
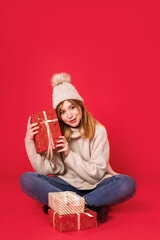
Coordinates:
49	131
80	221
66	202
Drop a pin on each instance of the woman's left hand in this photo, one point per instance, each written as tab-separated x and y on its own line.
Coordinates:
62	142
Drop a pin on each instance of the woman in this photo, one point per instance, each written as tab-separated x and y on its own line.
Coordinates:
80	161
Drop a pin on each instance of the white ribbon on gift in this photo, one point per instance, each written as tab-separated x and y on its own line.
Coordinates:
54	219
50	143
79	218
78	222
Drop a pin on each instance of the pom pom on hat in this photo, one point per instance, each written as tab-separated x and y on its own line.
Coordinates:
59	78
63	89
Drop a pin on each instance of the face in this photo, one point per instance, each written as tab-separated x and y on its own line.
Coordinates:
70	114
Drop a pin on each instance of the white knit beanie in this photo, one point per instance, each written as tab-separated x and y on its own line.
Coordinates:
63	89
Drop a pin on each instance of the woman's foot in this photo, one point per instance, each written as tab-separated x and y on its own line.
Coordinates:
102	213
45	209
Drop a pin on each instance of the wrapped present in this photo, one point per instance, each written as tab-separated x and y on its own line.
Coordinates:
66	202
50	130
80	221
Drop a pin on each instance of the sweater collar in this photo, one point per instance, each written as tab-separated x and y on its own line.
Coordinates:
75	132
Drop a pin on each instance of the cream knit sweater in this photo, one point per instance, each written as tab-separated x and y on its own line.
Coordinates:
86	165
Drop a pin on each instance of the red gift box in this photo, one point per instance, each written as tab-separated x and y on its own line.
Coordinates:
66	223
49	131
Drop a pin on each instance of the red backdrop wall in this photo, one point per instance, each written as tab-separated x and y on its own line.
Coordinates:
112	51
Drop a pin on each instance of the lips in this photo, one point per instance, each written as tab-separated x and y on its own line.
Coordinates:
72	121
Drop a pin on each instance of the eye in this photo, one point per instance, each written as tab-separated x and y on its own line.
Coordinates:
72	107
62	112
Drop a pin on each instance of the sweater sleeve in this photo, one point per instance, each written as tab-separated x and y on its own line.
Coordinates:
40	163
92	170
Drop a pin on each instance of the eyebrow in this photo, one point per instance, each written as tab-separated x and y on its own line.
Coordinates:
68	106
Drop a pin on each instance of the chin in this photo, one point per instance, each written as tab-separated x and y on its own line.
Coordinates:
74	124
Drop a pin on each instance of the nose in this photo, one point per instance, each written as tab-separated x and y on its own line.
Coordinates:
69	115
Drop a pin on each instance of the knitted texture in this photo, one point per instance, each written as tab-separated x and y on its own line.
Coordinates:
86	165
63	89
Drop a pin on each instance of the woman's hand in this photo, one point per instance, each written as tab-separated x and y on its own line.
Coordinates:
62	142
32	129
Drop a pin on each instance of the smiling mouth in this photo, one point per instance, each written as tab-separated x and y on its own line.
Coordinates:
72	121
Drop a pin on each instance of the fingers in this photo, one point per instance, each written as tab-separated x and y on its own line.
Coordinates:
34	124
62	150
31	126
59	145
65	150
32	129
63	144
61	141
61	137
35	128
29	120
34	133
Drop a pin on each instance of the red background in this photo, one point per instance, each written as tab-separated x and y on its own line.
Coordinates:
112	51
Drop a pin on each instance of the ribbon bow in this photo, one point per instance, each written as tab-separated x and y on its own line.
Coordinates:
72	196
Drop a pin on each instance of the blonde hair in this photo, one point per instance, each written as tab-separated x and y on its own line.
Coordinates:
87	124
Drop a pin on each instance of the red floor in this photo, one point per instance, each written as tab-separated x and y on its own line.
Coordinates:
22	218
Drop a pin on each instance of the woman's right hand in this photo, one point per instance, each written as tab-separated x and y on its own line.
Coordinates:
32	129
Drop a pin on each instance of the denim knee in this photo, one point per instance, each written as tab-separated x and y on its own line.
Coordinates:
127	184
25	178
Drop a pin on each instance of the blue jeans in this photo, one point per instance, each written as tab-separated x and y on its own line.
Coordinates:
109	191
